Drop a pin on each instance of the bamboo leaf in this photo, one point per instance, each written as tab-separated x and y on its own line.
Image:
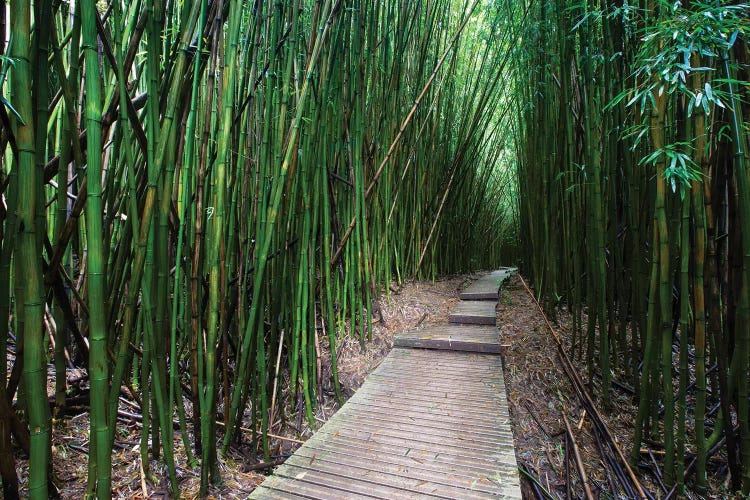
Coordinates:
8	105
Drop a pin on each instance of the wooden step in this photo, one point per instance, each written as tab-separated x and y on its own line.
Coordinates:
473	312
470	338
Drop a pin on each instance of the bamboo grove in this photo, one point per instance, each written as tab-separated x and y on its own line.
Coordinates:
638	214
199	196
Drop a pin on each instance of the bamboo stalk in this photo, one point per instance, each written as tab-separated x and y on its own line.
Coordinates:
577	456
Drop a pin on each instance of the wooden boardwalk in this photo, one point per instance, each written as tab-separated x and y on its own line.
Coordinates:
430	422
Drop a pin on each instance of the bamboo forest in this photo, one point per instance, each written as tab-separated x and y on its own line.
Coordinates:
206	205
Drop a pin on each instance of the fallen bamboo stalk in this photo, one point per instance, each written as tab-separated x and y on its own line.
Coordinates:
273	436
540	490
577	457
615	468
536	419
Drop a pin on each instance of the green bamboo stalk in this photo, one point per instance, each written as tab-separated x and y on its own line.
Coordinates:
216	229
743	308
28	255
98	362
272	215
699	307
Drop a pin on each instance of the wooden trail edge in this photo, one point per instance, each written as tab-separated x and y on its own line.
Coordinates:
431	421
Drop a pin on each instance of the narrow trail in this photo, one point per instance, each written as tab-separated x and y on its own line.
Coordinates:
431	421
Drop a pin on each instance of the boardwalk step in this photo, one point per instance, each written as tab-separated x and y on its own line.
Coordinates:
473	312
411	447
472	338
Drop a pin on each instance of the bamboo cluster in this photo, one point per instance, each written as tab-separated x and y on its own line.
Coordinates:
198	195
638	213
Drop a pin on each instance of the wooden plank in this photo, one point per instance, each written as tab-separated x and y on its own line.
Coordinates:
441	377
473	414
348	481
487	286
388	477
457	442
296	488
420	360
462	331
464	359
444	373
313	488
392	387
421	450
439	425
398	455
470	338
439	472
426	452
456	482
433	398
446	431
448	345
473	312
428	395
431	418
428	418
418	460
263	493
434	406
423	363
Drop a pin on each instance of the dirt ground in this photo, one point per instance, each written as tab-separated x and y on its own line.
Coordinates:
539	393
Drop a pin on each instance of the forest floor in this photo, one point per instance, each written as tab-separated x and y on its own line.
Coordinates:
539	393
537	388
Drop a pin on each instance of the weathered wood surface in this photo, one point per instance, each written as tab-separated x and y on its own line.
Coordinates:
473	312
427	423
487	286
470	338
